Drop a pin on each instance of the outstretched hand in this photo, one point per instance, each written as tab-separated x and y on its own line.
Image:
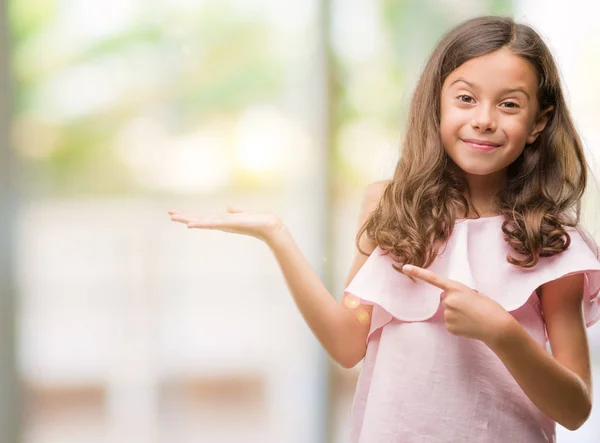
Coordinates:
467	312
235	220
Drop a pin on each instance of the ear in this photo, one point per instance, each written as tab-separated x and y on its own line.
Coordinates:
540	124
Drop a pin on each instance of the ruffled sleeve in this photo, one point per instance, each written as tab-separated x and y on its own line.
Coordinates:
474	255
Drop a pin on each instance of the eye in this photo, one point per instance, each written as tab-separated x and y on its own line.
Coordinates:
465	98
511	105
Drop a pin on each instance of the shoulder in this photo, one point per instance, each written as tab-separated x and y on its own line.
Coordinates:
571	276
371	198
376	189
588	240
372	195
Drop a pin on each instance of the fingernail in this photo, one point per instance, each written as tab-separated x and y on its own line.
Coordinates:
407	268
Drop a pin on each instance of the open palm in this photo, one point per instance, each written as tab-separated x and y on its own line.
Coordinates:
235	220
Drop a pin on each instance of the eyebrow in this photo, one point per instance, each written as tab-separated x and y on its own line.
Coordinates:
503	91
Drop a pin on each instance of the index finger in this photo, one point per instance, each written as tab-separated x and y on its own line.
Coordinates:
430	277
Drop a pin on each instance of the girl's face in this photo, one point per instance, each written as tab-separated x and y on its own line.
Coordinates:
489	111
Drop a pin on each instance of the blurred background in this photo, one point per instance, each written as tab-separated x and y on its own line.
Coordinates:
119	326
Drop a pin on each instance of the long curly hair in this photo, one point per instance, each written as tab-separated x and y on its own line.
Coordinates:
544	186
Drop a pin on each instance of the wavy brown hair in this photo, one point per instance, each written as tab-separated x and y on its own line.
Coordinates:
544	186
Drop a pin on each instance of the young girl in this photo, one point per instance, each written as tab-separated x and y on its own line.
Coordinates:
469	260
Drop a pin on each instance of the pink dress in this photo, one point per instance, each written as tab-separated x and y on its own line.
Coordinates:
418	382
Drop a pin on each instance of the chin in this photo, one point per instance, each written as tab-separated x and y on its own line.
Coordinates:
478	167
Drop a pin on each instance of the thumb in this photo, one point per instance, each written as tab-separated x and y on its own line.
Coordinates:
235	209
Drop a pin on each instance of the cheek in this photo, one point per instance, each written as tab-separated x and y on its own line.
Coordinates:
517	130
451	121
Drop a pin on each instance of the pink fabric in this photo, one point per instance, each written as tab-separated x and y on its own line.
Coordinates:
418	382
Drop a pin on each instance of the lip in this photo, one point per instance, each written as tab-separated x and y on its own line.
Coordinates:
481	145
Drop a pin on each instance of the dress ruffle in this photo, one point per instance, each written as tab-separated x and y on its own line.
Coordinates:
474	255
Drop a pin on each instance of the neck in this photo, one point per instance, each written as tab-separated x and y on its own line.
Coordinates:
482	192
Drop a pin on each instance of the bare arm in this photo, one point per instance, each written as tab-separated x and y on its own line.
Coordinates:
341	329
337	328
559	384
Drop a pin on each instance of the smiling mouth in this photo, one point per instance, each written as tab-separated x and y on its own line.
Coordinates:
481	145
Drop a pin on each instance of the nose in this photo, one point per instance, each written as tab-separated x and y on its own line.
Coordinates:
483	119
